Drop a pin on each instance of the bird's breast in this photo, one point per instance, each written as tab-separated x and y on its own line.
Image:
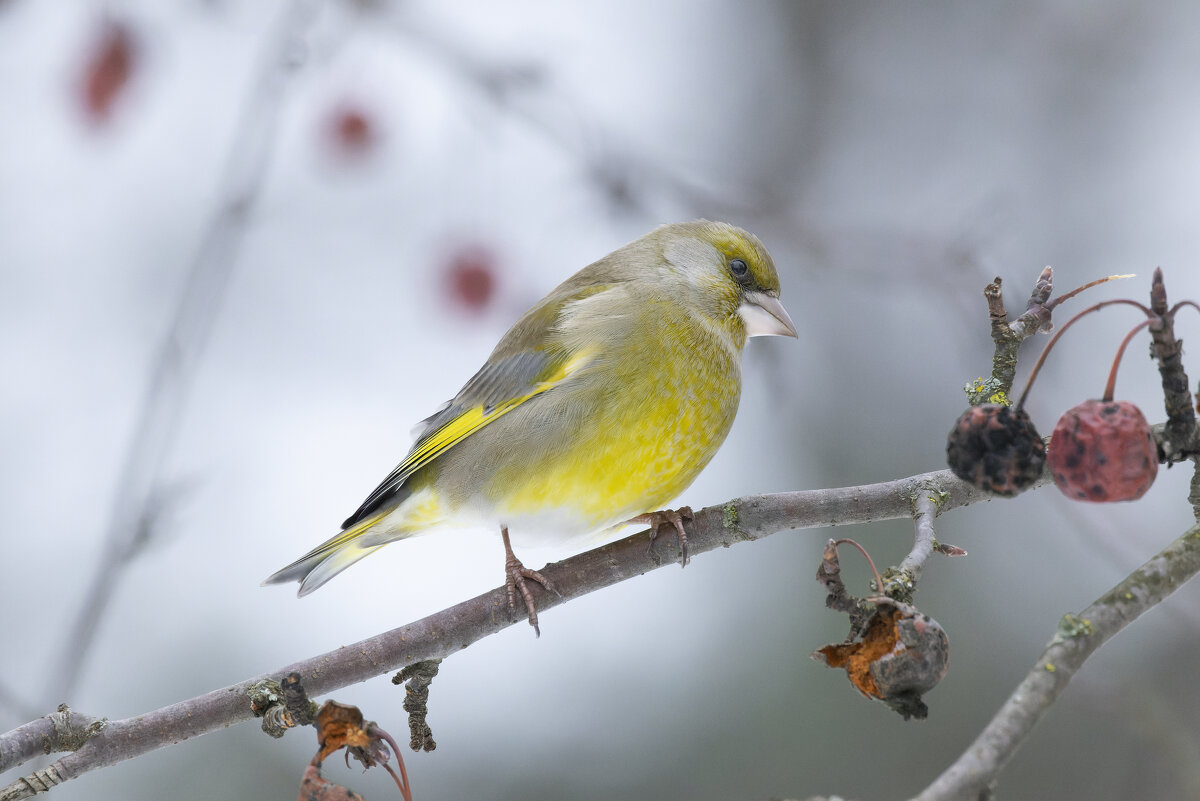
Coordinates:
624	437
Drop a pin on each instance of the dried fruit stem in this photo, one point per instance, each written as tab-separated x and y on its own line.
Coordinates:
1088	285
402	780
867	556
1112	373
1180	305
1058	334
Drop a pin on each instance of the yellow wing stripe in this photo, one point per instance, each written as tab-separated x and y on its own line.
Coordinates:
334	543
302	567
476	418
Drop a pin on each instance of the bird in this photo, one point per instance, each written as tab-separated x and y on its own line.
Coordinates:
598	407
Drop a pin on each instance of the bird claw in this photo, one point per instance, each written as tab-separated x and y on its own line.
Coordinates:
515	576
675	518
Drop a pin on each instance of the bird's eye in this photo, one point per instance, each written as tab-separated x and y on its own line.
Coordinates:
738	268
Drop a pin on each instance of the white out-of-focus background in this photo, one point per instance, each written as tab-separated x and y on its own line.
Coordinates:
428	171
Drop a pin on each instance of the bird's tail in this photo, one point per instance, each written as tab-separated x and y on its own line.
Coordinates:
329	558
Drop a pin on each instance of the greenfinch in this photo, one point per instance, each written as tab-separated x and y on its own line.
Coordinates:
599	406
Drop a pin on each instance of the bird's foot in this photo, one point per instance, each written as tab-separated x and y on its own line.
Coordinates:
516	576
673	517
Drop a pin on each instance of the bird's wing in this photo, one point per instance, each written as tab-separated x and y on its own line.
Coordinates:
511	377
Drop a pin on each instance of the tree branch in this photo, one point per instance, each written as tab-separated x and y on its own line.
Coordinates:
1076	638
444	633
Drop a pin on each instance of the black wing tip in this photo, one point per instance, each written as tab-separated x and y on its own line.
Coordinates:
380	498
376	499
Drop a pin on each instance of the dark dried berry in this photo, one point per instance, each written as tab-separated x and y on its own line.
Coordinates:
1103	451
996	448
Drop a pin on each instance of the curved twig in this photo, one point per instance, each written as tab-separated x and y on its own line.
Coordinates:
925	509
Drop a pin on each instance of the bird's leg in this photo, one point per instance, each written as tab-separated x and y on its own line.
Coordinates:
675	517
515	574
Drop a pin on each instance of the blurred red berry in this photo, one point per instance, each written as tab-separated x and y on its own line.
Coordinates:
109	66
1103	451
996	448
471	277
352	130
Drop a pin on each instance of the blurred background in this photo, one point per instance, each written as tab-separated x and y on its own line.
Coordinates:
245	247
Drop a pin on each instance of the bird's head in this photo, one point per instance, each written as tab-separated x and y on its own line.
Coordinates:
733	276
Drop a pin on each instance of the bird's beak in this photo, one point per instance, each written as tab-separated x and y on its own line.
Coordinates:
765	316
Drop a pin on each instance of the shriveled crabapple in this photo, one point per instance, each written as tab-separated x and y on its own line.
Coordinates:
893	653
1103	450
996	448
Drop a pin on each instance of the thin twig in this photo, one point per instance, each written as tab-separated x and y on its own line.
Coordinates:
1007	337
925	509
136	499
448	631
1180	441
1076	638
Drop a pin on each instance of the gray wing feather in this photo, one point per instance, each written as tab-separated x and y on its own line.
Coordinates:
506	378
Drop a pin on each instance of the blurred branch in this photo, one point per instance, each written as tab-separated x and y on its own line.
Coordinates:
1076	638
448	631
620	173
139	501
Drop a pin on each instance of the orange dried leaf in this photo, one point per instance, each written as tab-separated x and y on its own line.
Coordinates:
340	726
